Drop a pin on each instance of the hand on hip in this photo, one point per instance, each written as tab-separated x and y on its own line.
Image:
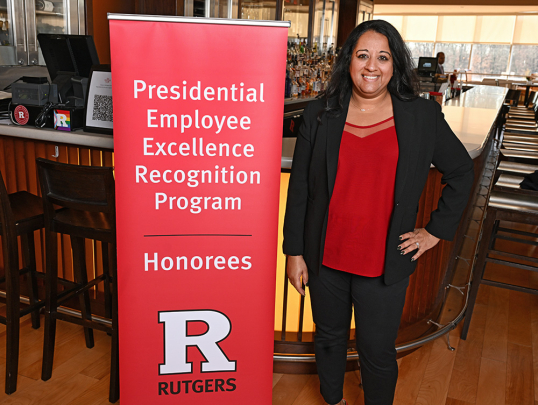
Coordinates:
418	241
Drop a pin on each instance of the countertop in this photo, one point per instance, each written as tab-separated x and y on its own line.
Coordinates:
471	116
78	138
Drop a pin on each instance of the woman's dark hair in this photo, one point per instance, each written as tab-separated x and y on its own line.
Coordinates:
403	83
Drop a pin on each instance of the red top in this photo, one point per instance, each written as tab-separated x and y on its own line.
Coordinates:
362	200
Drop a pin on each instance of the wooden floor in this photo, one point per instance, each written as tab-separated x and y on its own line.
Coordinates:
496	365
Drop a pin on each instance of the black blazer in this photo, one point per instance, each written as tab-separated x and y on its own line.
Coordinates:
424	137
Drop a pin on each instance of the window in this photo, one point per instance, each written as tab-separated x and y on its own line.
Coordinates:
419	28
419	49
456	29
297	13
326	23
490	43
490	58
395	20
526	29
496	29
258	9
524	59
456	55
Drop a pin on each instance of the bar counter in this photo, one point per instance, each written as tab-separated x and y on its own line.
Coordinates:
472	116
469	115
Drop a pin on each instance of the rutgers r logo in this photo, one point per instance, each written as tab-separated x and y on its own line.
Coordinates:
21	115
177	340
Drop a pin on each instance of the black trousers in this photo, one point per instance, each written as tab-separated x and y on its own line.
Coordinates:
378	309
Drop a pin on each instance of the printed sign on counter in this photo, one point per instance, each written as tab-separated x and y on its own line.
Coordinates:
99	116
197	142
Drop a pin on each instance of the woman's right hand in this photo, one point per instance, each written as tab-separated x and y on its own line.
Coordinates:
296	270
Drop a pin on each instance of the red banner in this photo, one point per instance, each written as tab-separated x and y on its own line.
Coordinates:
198	107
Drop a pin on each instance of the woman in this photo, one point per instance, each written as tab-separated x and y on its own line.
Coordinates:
361	160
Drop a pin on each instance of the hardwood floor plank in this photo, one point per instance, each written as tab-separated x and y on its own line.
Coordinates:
97	394
288	388
465	374
519	375
534	331
492	382
70	342
40	391
411	372
519	318
70	390
483	294
496	332
276	378
452	401
434	387
22	383
310	394
99	368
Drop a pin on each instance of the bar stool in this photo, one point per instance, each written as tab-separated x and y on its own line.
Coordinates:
525	139
21	214
509	205
531	147
88	195
513	96
522	156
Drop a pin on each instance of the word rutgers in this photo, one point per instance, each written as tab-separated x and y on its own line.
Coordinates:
196	386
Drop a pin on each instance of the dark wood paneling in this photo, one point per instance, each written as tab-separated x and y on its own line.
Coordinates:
159	7
97	22
347	19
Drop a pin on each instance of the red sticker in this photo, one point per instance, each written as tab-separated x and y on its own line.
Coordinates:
21	115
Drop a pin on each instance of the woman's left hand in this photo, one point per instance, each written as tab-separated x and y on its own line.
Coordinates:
417	241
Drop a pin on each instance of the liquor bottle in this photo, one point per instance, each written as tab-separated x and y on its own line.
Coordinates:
287	91
294	89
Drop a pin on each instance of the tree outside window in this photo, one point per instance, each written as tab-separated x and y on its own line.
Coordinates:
524	59
419	49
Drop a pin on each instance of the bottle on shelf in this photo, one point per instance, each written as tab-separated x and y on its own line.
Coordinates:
308	68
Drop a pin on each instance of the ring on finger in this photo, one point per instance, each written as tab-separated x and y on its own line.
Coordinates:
418	245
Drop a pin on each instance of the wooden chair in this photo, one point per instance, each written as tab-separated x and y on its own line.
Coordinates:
88	195
507	202
21	214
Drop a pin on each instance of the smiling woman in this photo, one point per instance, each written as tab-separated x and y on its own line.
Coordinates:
361	161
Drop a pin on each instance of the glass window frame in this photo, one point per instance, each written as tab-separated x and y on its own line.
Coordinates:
513	44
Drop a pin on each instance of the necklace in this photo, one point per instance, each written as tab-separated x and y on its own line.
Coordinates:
361	109
366	109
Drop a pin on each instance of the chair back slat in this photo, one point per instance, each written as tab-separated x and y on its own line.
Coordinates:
84	188
8	231
7	219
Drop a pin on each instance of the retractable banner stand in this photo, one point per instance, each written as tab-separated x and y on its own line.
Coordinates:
198	108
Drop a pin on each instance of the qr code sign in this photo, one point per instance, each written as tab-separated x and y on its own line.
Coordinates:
102	108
